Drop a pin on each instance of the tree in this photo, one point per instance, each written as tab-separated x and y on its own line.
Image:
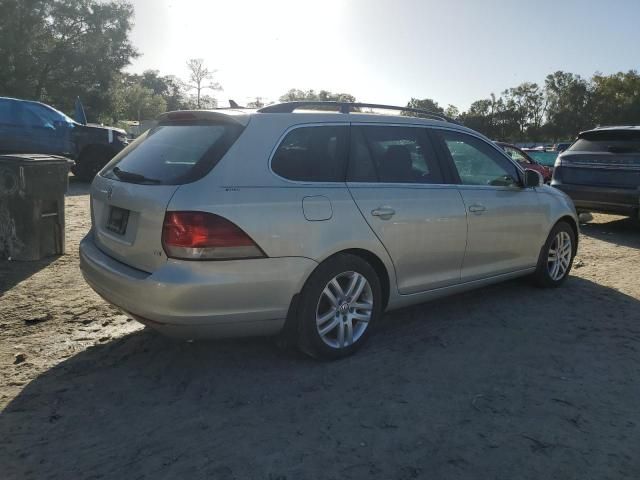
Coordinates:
568	99
322	96
168	87
424	104
207	102
131	98
493	117
615	99
452	111
56	50
258	102
201	78
142	104
480	116
559	110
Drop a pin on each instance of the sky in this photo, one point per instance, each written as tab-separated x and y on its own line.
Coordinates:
385	51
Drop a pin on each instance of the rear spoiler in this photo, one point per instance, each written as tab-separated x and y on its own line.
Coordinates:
225	116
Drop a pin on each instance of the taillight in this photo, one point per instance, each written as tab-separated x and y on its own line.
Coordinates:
205	236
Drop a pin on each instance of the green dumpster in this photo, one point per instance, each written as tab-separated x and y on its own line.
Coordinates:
32	188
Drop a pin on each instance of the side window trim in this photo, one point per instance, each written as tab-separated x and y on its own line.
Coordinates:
426	137
449	171
354	129
291	128
451	165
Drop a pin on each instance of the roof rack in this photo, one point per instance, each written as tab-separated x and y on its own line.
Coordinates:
348	107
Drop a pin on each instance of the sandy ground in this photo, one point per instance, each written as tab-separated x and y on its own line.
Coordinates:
504	382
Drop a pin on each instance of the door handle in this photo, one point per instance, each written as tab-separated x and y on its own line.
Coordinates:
384	213
477	208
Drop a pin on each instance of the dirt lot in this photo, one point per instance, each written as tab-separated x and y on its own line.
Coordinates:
505	382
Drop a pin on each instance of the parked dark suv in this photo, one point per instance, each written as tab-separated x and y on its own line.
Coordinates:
601	170
33	127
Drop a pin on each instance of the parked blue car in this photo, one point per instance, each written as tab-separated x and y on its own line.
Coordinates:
33	127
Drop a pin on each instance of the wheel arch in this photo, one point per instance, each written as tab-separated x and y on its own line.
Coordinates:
288	333
379	267
574	226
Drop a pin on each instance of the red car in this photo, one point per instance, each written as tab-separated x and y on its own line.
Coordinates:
526	161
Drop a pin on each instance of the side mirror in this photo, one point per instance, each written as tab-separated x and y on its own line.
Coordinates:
532	178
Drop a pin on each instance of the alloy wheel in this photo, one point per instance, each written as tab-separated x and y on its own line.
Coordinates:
559	256
344	309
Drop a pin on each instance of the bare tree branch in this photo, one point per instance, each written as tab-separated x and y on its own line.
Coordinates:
198	75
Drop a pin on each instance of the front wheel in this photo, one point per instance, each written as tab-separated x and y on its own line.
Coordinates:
556	257
338	305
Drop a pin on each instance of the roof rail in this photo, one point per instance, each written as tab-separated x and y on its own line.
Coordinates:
348	107
614	125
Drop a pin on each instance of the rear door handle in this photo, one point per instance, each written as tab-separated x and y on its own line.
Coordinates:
384	213
477	208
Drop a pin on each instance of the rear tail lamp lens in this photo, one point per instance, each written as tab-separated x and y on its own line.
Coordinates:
205	236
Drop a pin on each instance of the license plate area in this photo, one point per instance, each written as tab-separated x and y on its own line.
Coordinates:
117	221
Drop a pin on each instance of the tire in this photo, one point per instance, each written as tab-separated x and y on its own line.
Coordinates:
334	329
549	273
90	162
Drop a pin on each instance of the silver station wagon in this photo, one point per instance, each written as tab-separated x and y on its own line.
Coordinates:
311	220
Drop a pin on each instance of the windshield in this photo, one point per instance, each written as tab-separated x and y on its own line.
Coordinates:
173	154
38	114
61	116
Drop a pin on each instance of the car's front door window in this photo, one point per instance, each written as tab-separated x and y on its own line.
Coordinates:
477	162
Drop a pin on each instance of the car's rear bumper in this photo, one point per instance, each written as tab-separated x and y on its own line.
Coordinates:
200	299
624	201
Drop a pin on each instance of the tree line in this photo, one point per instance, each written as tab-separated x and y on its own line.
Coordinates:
566	104
56	50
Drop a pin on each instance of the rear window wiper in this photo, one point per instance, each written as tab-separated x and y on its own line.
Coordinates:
133	177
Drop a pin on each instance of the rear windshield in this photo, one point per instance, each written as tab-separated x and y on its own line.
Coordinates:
613	141
173	154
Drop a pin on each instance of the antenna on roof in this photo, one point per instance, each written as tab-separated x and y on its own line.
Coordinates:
233	104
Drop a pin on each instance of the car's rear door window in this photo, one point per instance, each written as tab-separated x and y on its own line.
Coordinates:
312	154
174	153
392	154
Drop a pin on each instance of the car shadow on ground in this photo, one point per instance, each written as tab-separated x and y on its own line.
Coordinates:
621	231
504	382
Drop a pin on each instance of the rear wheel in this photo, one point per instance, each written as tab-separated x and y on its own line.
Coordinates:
338	306
556	257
